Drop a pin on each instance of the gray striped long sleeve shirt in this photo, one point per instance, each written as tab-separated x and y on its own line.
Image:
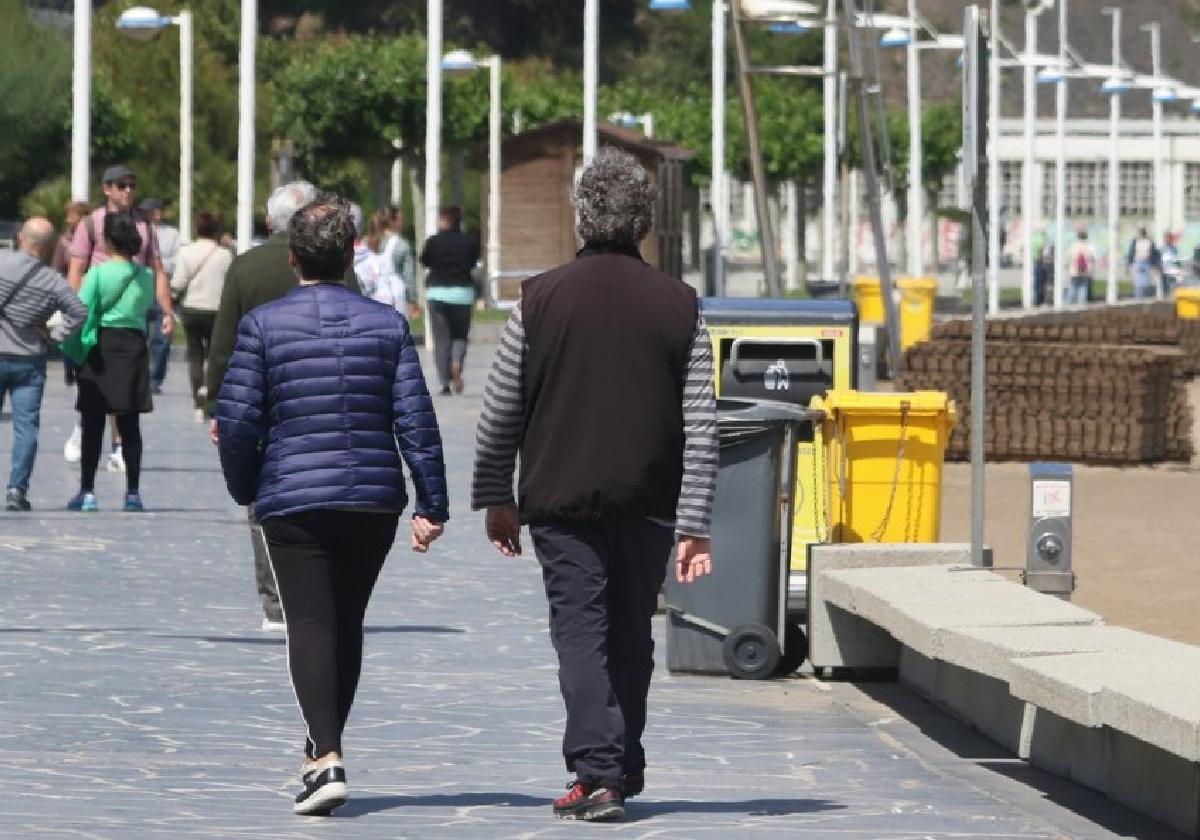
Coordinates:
501	429
24	316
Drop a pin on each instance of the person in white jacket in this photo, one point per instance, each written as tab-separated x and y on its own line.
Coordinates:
196	285
1081	267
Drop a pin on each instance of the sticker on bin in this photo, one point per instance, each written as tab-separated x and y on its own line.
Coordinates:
1051	499
776	377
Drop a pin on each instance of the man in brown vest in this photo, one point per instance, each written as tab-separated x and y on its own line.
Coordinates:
603	384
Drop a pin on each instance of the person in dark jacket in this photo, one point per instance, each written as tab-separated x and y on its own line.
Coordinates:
450	255
258	276
323	398
617	435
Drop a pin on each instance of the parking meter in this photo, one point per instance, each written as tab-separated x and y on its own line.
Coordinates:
1048	552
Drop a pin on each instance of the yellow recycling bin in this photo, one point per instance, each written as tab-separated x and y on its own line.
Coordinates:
883	462
917	295
867	292
1187	302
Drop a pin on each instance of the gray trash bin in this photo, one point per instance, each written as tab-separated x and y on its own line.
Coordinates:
734	621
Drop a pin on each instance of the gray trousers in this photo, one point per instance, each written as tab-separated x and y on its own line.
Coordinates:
268	591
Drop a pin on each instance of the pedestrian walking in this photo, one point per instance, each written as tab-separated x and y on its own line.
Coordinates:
89	250
257	277
603	384
450	255
30	293
169	243
1172	265
322	386
404	262
114	375
375	266
196	286
75	211
1081	257
1143	258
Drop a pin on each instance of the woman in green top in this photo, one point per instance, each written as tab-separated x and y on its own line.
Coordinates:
115	376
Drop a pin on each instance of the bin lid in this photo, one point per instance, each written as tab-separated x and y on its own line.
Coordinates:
861	402
1188	292
917	283
778	311
765	411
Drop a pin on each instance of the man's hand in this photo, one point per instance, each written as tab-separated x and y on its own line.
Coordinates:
693	559
424	532
503	525
212	431
168	324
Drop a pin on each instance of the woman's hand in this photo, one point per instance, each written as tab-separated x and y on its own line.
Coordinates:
168	323
424	532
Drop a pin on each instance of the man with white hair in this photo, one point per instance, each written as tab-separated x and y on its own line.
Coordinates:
258	276
30	292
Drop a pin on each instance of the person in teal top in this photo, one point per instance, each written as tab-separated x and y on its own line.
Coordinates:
114	378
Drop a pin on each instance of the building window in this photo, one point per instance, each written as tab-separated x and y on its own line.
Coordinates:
1087	189
1010	188
1191	192
1137	189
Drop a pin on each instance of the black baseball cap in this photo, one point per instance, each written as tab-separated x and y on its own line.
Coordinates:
116	173
152	203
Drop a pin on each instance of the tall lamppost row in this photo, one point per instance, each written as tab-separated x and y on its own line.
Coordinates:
144	23
81	103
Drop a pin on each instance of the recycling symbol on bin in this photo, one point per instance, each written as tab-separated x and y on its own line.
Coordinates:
776	377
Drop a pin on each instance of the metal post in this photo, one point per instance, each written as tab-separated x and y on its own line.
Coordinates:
1160	194
433	140
1114	165
973	91
493	246
719	195
829	182
994	161
758	171
1061	269
872	175
1028	208
591	72
185	125
916	189
246	109
81	110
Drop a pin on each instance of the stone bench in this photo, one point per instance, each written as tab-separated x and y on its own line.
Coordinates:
1111	708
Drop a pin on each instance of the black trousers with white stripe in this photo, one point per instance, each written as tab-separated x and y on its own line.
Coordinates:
602	581
326	563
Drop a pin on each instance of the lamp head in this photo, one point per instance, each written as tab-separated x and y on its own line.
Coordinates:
458	62
670	7
142	22
1165	94
1116	84
1050	76
794	27
896	37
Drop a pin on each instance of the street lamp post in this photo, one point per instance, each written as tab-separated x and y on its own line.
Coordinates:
1114	87
461	61
144	22
994	162
591	74
246	100
916	195
81	108
433	137
830	168
1156	123
1061	269
1028	209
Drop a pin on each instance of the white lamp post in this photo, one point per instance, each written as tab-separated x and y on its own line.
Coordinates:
144	23
830	161
1114	87
1028	208
246	102
433	136
1060	167
461	61
1160	95
81	108
591	75
994	162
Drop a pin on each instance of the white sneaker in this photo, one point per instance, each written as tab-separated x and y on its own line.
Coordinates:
116	461
198	415
270	625
73	448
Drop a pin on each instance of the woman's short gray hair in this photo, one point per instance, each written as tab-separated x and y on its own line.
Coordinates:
321	235
614	199
285	201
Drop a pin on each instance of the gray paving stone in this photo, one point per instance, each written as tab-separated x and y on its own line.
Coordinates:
138	698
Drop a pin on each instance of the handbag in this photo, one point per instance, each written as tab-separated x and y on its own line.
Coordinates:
79	346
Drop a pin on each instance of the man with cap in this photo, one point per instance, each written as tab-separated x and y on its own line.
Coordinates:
87	249
168	249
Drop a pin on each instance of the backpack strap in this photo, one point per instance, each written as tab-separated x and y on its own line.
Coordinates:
20	284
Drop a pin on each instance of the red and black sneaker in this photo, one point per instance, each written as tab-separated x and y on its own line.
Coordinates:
634	783
590	802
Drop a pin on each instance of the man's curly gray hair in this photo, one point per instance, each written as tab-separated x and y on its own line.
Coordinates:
321	235
614	199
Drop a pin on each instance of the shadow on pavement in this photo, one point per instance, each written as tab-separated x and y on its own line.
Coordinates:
645	809
966	743
279	640
370	804
414	628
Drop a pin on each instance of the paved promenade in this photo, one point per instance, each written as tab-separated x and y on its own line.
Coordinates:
139	699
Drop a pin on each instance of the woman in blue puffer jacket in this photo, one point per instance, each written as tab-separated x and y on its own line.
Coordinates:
323	396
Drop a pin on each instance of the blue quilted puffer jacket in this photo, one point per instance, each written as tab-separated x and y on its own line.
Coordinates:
323	395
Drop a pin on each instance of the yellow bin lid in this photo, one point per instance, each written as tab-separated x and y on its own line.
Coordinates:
1188	293
917	283
863	280
863	403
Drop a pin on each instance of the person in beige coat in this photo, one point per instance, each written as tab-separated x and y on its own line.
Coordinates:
196	285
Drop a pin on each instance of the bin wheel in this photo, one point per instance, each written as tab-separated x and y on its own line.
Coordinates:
751	652
795	645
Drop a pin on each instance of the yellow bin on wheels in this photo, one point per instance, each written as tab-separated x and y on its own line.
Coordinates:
883	461
868	293
917	295
1187	303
